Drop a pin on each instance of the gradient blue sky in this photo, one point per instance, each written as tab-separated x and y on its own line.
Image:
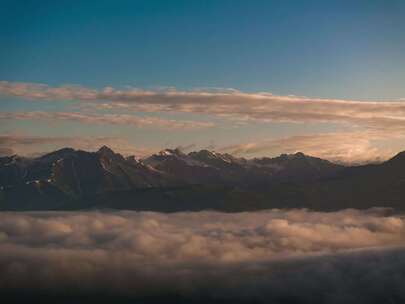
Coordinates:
350	50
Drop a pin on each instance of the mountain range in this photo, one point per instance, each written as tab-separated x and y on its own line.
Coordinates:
171	180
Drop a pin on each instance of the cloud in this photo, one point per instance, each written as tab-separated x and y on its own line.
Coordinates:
111	119
345	147
44	92
342	147
287	256
28	144
231	104
359	124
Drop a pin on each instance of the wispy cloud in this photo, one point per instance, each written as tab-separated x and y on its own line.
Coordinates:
112	119
27	144
345	147
232	104
359	124
352	148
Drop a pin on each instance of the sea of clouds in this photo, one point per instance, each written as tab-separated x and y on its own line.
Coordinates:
275	256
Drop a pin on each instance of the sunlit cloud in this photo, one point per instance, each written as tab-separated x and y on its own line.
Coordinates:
30	145
241	256
109	119
231	104
343	147
358	124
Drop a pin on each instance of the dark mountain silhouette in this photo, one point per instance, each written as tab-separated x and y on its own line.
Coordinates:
171	180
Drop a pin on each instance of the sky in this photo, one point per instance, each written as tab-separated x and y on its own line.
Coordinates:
251	78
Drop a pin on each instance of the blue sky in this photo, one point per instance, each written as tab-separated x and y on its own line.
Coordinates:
347	50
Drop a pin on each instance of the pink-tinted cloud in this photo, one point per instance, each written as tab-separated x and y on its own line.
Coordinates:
297	256
231	104
27	144
362	122
344	147
112	119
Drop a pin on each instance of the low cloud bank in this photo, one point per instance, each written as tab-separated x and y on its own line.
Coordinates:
275	256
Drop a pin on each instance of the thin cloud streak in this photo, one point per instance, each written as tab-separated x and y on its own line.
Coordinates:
341	147
362	122
110	119
231	104
27	145
352	148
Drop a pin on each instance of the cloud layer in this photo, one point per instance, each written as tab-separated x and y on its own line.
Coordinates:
30	145
357	124
341	257
230	103
346	147
109	119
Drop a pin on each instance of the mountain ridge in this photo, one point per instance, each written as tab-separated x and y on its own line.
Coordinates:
172	180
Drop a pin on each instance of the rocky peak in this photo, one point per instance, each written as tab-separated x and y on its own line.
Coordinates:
299	155
58	154
104	150
172	152
399	158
